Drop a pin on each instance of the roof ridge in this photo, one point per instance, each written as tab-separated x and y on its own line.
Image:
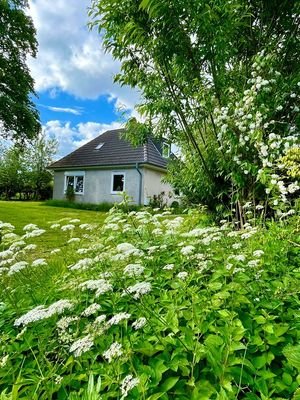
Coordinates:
146	152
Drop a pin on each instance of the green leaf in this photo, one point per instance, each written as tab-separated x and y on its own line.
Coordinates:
169	383
155	396
260	361
292	353
296	395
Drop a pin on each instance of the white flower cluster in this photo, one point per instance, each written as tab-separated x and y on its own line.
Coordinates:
39	262
68	227
114	351
187	250
101	286
82	346
17	267
34	233
90	310
133	270
82	264
128	383
139	323
30	227
41	312
182	275
169	267
138	290
117	318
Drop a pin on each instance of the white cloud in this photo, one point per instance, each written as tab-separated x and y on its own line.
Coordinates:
74	111
71	137
70	56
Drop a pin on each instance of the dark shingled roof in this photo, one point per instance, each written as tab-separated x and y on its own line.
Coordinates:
115	151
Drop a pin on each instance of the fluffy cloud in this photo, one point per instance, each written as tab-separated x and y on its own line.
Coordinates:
71	137
70	56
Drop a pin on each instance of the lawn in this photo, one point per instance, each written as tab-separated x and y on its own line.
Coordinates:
22	213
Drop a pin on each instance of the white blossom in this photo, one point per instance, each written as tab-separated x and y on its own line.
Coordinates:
39	262
54	226
68	227
82	264
82	346
117	318
139	323
17	267
168	267
139	289
186	250
40	312
128	383
90	310
114	351
35	233
182	275
258	253
133	270
101	286
30	227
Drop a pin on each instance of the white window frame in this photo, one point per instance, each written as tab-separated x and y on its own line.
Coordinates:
114	173
166	146
75	174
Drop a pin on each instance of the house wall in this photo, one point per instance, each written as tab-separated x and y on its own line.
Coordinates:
153	185
97	186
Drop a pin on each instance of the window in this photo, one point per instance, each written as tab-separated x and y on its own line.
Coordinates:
118	182
166	150
74	180
98	147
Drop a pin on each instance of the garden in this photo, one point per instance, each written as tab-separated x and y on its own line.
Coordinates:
149	305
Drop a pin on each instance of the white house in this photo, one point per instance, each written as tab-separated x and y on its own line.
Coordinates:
108	165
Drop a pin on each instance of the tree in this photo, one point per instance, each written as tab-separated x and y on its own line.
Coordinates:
23	170
19	118
217	78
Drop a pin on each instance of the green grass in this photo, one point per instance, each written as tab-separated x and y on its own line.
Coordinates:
22	213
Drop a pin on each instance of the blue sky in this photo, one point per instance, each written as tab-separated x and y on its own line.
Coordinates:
77	98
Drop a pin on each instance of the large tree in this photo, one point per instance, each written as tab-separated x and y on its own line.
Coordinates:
19	118
217	77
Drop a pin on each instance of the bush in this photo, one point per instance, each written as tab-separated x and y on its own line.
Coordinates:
104	207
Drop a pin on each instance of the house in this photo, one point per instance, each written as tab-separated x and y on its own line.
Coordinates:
108	165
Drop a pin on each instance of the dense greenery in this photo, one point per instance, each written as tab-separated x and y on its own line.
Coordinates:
151	306
218	78
19	118
23	170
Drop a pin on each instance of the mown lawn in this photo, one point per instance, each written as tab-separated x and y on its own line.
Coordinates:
22	213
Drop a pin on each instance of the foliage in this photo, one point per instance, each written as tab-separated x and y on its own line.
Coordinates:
155	306
220	80
85	206
70	194
18	116
291	163
23	170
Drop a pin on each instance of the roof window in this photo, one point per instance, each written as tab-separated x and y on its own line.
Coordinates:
98	147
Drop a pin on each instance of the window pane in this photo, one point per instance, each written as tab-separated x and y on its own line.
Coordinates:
118	183
79	184
70	181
